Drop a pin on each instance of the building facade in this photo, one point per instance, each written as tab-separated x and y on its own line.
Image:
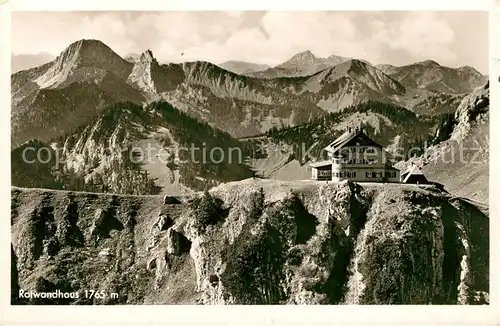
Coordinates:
354	156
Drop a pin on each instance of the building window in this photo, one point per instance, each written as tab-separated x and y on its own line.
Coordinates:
324	173
370	150
367	174
354	174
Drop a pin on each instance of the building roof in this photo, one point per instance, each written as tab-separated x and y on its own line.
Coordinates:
413	171
347	137
320	163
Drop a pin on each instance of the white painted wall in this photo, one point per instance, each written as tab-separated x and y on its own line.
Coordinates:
359	161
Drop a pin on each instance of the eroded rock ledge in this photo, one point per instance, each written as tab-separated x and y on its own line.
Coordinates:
254	242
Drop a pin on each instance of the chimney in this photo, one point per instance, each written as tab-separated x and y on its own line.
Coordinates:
349	129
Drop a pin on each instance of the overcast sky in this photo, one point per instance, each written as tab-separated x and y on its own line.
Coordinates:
450	38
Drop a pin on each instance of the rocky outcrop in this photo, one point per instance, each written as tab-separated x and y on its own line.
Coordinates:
264	242
473	109
461	161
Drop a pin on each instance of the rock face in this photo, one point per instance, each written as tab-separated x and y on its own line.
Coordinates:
473	109
264	242
461	161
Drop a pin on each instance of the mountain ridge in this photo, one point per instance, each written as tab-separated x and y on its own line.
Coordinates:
243	67
240	104
300	64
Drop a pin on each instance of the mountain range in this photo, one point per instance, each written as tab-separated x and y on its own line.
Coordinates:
89	93
243	67
301	64
87	76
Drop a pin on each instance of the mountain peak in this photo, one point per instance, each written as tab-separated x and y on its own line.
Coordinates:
333	56
305	58
87	49
147	56
243	67
94	42
357	62
83	53
85	44
430	63
304	55
469	69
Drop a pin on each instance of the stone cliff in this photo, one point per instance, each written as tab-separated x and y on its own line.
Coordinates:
253	242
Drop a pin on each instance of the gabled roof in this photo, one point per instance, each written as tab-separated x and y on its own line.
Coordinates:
415	172
413	169
346	138
339	142
320	163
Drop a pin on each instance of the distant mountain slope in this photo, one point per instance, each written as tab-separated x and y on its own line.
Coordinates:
434	102
243	67
350	83
432	76
128	149
301	64
387	69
